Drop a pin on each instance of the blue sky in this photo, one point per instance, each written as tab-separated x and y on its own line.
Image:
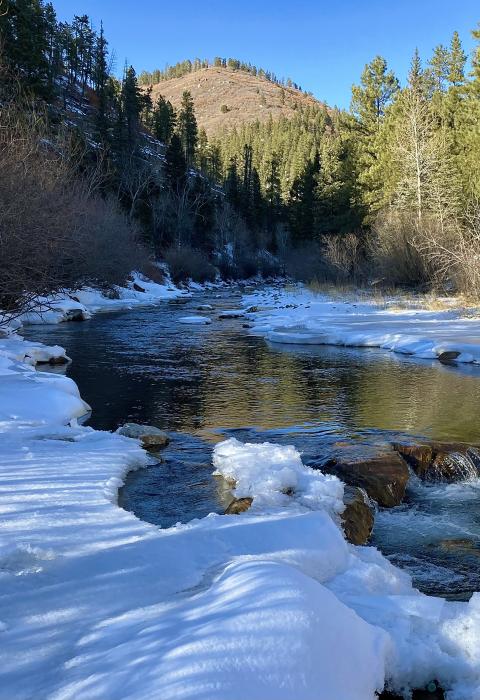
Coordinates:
321	45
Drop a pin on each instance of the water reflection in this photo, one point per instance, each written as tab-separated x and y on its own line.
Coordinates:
205	382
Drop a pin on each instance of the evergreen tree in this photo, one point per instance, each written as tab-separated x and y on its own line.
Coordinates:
163	120
175	165
456	62
187	128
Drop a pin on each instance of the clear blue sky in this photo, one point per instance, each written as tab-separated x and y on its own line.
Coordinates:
321	44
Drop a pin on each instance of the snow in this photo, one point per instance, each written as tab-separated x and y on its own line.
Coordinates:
82	303
298	316
272	604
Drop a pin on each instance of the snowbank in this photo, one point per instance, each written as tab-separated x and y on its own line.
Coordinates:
272	604
302	317
81	304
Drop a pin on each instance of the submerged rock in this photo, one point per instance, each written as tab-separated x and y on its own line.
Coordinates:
357	518
239	505
381	472
441	461
149	436
233	313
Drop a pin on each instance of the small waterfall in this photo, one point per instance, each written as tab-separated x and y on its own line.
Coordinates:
464	466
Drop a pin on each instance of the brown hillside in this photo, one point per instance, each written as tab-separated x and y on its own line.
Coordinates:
246	96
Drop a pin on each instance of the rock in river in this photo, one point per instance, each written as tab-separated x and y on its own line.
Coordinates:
150	437
357	518
441	461
381	471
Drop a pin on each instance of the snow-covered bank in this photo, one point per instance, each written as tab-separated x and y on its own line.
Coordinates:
82	303
272	604
299	316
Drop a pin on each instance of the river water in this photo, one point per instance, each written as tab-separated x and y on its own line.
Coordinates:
206	383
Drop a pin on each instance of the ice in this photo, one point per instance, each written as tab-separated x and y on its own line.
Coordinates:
302	317
195	320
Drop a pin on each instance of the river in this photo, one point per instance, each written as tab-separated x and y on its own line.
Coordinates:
205	383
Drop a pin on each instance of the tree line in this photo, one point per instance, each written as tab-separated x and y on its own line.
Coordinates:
182	68
389	189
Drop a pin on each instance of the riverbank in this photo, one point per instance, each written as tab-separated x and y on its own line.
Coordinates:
272	603
402	324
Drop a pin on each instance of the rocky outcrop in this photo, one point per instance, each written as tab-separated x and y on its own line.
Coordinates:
151	438
357	518
239	505
441	461
379	470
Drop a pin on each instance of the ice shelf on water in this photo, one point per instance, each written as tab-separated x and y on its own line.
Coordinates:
300	316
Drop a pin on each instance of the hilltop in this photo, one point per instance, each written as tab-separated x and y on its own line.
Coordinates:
226	98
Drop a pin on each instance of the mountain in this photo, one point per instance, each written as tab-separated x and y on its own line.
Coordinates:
226	98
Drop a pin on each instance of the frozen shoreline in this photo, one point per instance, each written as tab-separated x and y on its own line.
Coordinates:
300	316
272	604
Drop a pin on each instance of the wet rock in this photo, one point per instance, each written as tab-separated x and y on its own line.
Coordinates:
234	313
75	315
205	307
448	356
137	287
239	505
380	471
357	518
463	546
60	360
441	461
149	436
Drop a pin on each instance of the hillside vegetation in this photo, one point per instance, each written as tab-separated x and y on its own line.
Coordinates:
225	98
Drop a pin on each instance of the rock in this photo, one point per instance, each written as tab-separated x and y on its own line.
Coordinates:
448	356
441	461
60	360
463	546
357	518
381	472
149	436
239	505
75	315
205	307
137	287
234	313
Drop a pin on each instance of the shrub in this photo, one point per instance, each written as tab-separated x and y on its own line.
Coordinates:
224	109
189	264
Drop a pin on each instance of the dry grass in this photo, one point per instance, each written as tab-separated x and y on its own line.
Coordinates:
246	96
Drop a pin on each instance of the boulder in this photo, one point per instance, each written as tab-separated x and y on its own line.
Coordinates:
137	287
75	315
441	461
239	505
357	518
380	471
149	436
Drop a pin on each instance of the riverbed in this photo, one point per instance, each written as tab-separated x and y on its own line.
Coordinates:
204	383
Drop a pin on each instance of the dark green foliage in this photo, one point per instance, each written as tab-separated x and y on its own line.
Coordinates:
187	128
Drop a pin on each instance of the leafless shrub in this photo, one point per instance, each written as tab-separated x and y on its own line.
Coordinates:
56	232
393	250
344	254
187	263
453	253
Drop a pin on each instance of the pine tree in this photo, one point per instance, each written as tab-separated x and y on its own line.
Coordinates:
163	120
187	128
100	81
175	165
457	61
440	65
131	106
